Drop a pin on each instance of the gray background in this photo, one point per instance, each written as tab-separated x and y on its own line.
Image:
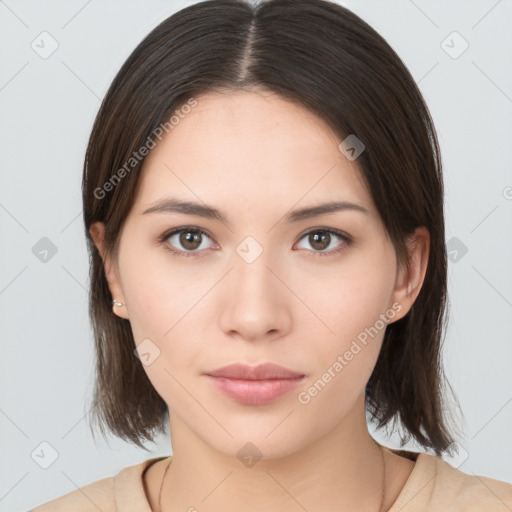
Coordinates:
47	109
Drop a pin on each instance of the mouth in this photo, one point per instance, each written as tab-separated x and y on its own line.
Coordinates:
254	392
254	385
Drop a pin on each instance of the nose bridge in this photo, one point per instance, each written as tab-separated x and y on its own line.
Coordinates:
251	270
255	304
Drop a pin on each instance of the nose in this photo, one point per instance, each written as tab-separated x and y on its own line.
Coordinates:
256	304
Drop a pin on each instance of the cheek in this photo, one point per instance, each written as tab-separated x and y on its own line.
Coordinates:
155	292
162	311
350	302
164	305
352	307
344	361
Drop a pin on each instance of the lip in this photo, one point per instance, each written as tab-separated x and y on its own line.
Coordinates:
258	372
254	385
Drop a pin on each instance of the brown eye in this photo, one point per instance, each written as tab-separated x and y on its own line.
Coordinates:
185	240
323	241
319	240
190	240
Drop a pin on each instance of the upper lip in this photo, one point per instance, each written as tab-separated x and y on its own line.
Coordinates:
259	372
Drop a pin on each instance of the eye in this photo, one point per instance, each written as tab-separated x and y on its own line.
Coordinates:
189	241
185	241
321	239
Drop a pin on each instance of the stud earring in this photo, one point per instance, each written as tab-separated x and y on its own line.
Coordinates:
116	303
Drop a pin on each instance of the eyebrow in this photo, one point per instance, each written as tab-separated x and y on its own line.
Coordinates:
172	205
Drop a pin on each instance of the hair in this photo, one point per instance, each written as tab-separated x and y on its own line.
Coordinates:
326	59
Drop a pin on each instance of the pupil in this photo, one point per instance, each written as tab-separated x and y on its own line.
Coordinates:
320	240
188	239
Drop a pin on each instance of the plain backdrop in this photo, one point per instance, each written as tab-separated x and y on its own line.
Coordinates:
57	60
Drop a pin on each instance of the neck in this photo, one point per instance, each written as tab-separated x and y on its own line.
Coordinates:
340	470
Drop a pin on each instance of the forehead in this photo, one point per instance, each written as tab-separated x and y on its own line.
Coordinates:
256	147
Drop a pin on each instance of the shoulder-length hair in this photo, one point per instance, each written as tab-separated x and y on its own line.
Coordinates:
327	59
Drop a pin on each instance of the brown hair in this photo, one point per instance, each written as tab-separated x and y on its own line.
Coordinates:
327	59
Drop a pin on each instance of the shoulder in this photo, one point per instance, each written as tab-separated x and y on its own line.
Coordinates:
116	493
94	496
470	492
436	486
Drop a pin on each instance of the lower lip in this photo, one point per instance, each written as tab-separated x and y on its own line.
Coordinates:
254	392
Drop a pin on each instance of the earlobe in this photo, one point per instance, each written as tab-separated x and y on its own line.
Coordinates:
410	281
116	304
97	231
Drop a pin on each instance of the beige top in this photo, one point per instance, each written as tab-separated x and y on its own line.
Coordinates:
433	486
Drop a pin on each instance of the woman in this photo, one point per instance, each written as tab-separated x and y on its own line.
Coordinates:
263	203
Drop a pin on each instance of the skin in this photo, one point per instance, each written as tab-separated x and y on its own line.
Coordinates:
256	157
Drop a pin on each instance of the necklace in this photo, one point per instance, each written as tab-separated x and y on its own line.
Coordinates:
161	487
383	482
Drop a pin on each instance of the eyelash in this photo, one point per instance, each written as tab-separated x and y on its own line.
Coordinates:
188	254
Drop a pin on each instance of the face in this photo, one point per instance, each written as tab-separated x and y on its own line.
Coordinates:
258	282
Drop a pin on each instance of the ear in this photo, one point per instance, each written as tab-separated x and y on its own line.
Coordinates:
409	282
97	231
